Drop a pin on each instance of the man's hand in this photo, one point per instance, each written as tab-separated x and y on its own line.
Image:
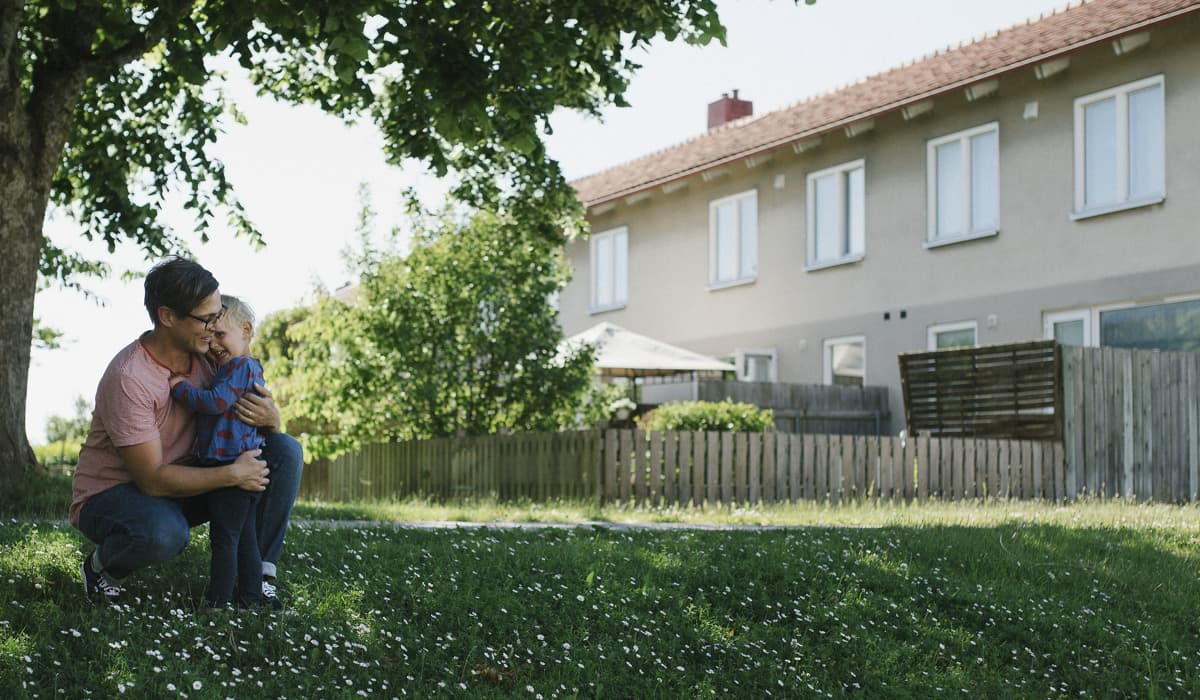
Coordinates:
249	472
176	379
258	408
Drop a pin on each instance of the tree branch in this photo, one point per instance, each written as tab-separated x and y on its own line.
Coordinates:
58	80
159	28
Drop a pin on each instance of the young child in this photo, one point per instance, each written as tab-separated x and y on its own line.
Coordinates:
220	438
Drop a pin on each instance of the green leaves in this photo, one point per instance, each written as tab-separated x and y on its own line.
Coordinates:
723	416
457	337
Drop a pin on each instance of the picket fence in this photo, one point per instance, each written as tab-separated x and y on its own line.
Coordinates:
631	466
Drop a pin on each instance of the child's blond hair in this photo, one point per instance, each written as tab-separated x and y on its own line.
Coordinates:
238	311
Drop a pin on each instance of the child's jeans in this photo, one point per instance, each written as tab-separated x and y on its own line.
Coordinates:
232	533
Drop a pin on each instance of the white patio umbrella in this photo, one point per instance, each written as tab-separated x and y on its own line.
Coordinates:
623	353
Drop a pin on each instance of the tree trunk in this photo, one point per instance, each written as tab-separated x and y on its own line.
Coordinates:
22	206
33	134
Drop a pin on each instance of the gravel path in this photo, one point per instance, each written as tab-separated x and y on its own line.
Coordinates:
587	524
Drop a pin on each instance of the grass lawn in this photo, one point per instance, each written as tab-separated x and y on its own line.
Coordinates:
935	601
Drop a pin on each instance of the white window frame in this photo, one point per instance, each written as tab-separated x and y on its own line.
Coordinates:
827	352
1121	93
934	330
713	263
933	240
620	296
740	357
1049	318
811	216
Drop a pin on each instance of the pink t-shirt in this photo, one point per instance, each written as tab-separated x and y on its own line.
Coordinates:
133	405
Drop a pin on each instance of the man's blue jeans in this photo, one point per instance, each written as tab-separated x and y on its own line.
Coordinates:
133	530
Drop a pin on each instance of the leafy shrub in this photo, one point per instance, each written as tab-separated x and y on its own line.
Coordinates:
597	406
60	453
724	416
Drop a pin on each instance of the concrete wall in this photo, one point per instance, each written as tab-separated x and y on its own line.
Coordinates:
1040	261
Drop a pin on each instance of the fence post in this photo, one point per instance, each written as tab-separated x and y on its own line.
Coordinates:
1127	424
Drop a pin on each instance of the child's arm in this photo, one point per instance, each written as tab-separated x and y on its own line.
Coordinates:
222	395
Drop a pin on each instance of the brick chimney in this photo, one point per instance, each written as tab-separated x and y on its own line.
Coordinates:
727	109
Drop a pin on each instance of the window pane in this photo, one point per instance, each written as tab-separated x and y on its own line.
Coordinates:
827	217
855	210
727	246
1174	326
847	364
964	338
985	181
1100	152
604	276
621	268
749	238
1069	332
757	368
1146	142
950	207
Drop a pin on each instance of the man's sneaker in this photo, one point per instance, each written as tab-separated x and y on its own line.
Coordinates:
270	595
97	586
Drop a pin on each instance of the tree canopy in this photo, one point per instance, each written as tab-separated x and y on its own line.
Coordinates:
108	107
457	337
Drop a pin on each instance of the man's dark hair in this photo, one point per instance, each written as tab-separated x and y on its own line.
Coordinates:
178	284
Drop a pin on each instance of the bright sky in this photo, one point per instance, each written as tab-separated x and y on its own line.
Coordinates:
297	171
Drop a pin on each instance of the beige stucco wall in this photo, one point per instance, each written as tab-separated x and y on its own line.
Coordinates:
1040	261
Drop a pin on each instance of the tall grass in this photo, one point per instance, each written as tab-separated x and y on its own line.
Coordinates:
40	495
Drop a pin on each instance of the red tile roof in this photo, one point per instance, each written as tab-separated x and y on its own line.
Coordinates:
1022	46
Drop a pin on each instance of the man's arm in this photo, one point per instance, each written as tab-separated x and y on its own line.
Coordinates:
258	408
154	478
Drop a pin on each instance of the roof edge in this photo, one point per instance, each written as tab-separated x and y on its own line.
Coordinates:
878	111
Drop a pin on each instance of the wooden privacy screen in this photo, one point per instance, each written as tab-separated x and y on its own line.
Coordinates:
995	391
1132	423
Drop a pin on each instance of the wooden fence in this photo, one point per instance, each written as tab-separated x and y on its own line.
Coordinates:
695	467
798	408
537	466
1131	423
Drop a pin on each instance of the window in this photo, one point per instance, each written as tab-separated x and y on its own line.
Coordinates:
755	365
836	215
1068	327
610	269
1173	326
953	335
964	185
845	361
1119	148
733	239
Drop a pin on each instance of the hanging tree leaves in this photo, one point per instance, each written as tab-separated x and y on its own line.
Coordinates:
109	106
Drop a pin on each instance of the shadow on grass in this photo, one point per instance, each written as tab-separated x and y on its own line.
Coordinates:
36	495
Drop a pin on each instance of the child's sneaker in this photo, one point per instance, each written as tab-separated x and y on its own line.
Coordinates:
96	585
270	595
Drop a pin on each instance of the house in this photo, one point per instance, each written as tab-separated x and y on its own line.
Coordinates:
1041	182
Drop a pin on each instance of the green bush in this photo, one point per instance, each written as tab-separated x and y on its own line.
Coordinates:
725	416
596	406
63	452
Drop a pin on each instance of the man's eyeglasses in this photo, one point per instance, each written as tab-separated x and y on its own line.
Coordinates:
210	320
